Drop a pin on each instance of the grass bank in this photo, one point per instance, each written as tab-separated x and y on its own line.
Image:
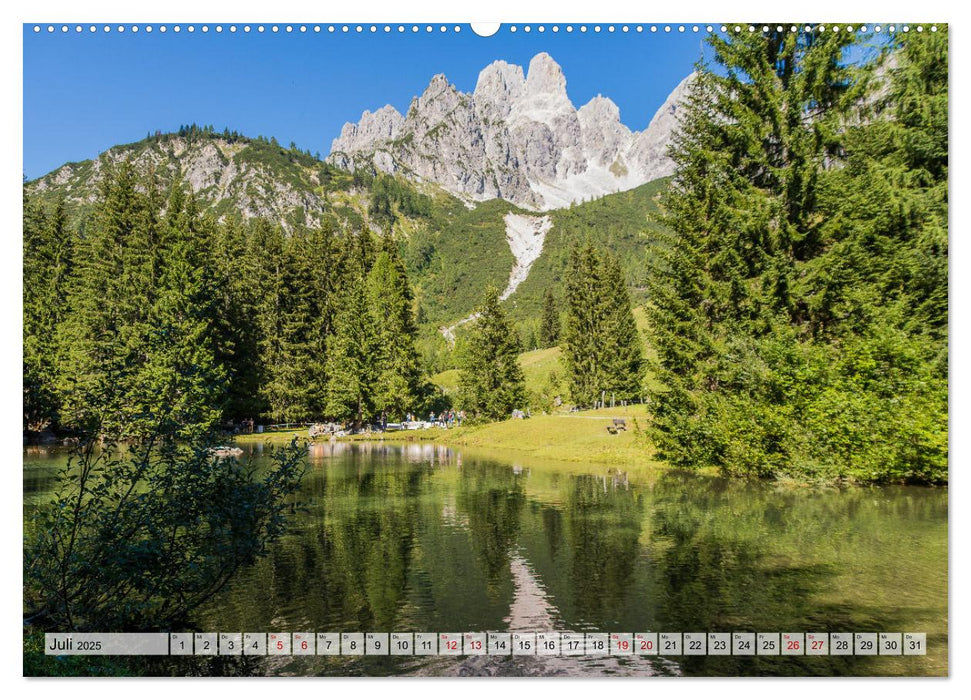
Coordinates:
275	437
564	437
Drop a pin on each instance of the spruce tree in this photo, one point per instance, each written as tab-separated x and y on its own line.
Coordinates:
793	220
390	299
582	332
103	338
601	344
620	340
266	267
236	333
298	376
491	382
179	383
754	138
549	334
48	263
352	352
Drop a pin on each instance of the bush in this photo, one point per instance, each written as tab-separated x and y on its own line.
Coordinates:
137	539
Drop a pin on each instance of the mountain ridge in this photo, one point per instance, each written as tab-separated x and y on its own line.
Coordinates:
251	177
517	137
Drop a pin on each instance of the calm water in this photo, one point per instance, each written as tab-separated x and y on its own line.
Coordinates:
425	538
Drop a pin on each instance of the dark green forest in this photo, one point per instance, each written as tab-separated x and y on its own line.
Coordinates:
152	307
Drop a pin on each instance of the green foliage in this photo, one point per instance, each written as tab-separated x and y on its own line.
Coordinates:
392	196
49	252
491	382
138	540
295	316
622	223
390	302
351	355
601	346
451	252
235	310
152	308
549	334
136	333
455	255
799	307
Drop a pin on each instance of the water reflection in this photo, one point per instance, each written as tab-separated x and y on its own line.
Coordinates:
424	538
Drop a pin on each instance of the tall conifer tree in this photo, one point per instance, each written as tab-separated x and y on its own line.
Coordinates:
620	339
601	345
179	382
48	262
491	382
351	354
792	221
103	338
391	300
582	355
549	333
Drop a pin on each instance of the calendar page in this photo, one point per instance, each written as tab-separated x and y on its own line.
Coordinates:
436	349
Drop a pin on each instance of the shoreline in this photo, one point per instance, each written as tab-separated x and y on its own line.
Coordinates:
567	439
564	437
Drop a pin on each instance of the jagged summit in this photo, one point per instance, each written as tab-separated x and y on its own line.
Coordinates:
500	83
516	136
545	76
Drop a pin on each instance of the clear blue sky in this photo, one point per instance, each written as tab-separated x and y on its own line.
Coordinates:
84	93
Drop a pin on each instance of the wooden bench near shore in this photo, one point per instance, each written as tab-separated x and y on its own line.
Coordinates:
618	425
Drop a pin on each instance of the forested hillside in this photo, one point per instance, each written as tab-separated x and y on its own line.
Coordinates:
453	251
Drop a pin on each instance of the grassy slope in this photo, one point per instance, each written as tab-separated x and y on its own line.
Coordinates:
457	252
454	255
450	273
620	222
562	436
536	364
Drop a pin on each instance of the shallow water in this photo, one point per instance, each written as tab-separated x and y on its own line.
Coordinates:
426	538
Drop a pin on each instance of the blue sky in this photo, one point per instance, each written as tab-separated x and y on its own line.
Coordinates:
84	93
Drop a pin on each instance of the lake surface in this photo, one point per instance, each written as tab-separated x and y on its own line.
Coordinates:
424	538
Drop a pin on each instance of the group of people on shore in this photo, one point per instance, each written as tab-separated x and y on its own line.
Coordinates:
445	419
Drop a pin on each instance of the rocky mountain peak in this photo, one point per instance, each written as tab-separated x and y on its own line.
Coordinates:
545	76
436	86
499	85
600	107
382	125
604	136
516	136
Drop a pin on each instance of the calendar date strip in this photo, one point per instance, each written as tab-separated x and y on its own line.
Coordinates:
487	643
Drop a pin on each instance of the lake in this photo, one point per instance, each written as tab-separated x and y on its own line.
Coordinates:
425	538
